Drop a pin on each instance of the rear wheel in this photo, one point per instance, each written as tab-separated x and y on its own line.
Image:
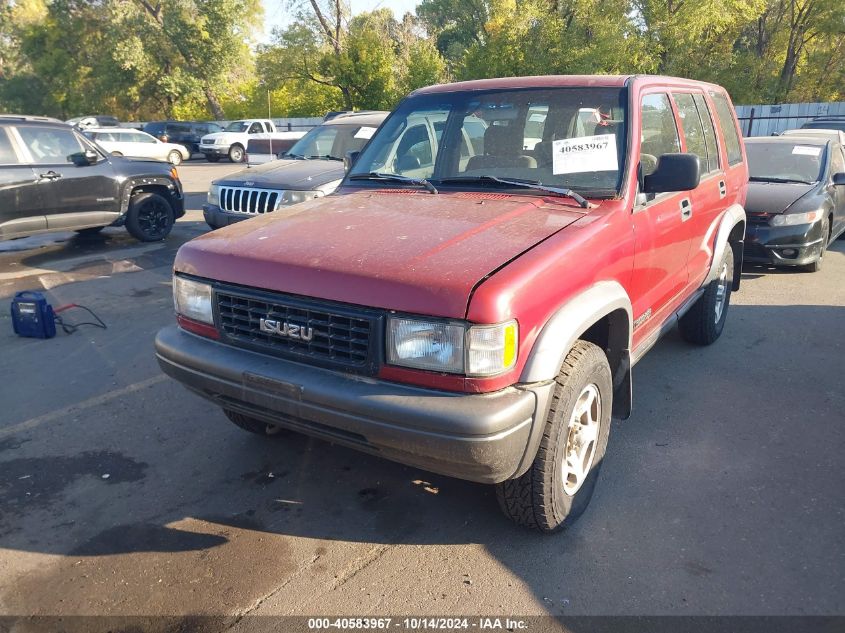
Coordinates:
150	217
816	266
705	320
558	486
175	157
117	154
236	154
252	424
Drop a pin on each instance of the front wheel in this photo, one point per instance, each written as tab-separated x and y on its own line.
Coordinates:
816	266
236	154
175	158
705	320
150	217
558	486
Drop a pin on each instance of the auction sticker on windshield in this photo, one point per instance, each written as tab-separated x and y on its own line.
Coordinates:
584	154
365	132
806	150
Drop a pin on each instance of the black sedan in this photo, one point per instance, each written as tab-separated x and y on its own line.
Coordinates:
796	200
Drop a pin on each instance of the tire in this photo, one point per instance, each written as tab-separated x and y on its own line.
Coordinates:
705	320
816	266
548	496
212	159
94	230
175	158
236	153
117	153
150	217
252	425
190	150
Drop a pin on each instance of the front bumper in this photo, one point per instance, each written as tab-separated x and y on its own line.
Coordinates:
783	245
478	437
217	218
215	150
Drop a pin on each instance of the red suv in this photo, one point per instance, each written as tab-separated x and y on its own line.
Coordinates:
473	298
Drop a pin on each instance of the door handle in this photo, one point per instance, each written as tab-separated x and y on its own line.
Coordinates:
723	190
686	209
50	175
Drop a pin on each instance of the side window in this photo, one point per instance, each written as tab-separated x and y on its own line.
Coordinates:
660	134
7	152
692	128
728	127
255	128
474	129
837	162
709	133
48	145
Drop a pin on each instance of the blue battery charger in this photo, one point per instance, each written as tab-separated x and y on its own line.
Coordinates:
32	316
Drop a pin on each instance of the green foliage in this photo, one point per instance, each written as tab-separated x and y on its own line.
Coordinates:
147	59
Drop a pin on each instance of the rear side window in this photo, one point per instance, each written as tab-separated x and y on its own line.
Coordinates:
692	128
709	133
660	134
48	145
7	152
726	123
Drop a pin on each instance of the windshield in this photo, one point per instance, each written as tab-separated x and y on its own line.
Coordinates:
571	138
791	162
237	126
332	141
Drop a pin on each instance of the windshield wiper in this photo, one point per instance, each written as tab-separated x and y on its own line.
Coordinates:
324	157
377	175
773	179
289	155
525	184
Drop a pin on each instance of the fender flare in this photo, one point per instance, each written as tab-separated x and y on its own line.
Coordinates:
139	182
569	322
733	216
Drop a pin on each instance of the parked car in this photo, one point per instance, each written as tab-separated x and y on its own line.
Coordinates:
134	143
186	133
446	310
93	120
826	123
837	136
232	141
312	167
796	200
55	179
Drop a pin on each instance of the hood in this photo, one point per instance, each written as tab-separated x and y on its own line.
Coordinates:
140	166
210	138
287	174
410	252
775	197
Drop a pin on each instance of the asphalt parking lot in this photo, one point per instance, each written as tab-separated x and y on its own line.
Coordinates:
123	494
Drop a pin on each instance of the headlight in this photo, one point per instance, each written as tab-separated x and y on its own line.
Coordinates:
295	197
791	219
192	299
455	348
214	195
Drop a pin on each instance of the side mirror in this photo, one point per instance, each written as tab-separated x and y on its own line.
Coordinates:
674	172
839	179
83	159
349	159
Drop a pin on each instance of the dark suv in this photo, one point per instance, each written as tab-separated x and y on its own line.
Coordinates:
52	178
187	133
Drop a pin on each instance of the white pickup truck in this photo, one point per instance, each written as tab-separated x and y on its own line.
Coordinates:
232	141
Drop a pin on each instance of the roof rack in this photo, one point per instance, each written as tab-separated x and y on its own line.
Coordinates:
29	117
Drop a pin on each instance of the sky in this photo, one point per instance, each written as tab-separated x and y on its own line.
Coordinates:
276	12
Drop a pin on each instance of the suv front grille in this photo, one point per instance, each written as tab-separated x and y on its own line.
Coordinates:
335	335
246	200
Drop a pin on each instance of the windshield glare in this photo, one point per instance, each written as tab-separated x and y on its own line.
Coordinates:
332	141
237	126
784	161
562	137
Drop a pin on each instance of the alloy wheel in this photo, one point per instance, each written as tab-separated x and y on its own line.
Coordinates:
581	439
